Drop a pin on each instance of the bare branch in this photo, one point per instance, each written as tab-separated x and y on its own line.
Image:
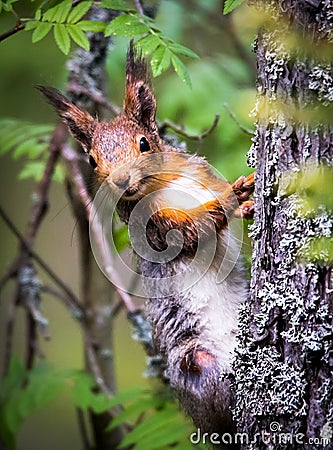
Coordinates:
233	116
77	89
138	6
18	27
180	129
83	429
96	227
9	334
40	205
72	299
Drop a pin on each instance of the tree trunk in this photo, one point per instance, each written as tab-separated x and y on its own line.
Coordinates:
284	362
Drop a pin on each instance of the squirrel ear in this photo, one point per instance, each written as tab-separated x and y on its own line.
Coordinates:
80	123
140	102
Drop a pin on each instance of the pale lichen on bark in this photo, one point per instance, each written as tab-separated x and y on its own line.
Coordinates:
284	362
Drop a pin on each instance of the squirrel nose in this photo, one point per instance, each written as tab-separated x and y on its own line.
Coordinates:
122	182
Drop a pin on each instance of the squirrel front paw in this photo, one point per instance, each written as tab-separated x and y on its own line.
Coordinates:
243	187
245	210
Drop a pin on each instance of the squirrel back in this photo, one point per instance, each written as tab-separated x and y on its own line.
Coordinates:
193	317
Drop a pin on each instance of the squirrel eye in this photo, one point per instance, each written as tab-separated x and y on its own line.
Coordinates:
92	162
144	145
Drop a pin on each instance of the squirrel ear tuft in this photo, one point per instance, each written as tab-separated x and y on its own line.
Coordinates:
80	123
140	102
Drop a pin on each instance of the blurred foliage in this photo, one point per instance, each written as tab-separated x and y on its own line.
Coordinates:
30	142
313	184
319	250
230	5
154	418
65	19
7	6
24	391
156	421
121	238
162	50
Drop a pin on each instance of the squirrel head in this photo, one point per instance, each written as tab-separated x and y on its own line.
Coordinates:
131	135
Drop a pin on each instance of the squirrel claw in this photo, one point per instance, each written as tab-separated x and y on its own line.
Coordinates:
245	210
243	187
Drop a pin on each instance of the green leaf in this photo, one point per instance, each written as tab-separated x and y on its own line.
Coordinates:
31	25
41	31
41	385
148	43
118	5
14	379
230	5
78	36
7	7
38	14
92	26
126	396
62	38
150	426
79	11
182	50
181	70
61	16
319	250
82	391
160	60
33	169
121	238
132	412
59	174
100	403
167	435
58	13
127	25
8	140
30	148
15	132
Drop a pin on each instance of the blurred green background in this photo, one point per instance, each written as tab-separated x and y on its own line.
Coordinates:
225	73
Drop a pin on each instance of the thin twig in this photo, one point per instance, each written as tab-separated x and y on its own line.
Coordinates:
18	27
138	7
233	116
96	98
64	298
9	333
117	308
40	205
94	366
73	300
33	347
195	137
83	429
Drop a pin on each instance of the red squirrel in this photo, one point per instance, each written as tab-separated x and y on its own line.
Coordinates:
194	327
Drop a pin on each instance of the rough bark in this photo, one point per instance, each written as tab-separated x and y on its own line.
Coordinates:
284	362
